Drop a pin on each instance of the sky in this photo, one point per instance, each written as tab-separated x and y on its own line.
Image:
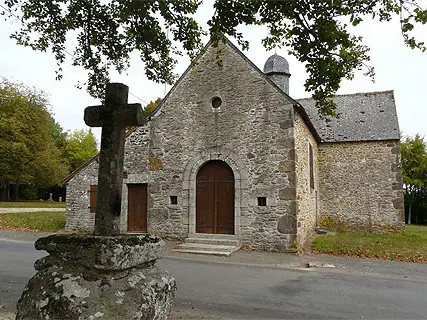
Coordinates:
397	68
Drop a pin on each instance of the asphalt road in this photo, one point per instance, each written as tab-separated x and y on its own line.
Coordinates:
221	290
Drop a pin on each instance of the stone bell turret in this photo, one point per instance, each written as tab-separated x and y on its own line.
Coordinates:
277	69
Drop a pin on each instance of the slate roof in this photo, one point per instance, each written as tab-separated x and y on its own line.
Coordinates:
363	117
276	64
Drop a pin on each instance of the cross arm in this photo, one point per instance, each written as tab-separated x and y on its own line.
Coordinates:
125	116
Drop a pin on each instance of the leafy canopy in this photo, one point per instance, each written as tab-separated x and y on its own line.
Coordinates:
79	147
316	32
28	153
414	170
414	163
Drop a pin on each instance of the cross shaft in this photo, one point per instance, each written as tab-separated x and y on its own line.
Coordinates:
114	116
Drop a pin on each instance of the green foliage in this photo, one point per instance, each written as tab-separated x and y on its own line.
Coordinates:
33	221
151	106
414	170
108	31
315	32
79	147
414	162
58	134
28	154
410	245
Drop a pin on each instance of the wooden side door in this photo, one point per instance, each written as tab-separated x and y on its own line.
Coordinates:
215	198
137	207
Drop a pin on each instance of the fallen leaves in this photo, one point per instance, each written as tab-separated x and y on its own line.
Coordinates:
18	229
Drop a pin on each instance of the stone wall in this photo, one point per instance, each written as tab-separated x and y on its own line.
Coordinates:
361	186
136	166
78	195
252	131
306	193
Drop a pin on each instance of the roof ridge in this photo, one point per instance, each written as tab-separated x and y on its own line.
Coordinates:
355	94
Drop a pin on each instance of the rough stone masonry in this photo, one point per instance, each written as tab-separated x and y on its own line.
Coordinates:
310	173
106	275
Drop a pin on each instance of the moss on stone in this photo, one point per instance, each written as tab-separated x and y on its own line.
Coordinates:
156	163
330	223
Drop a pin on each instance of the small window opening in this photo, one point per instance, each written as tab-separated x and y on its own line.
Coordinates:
173	199
311	164
262	201
216	102
125	174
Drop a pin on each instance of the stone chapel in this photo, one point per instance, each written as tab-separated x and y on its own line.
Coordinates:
228	155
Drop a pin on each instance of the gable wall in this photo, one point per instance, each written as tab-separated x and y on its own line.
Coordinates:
78	212
361	186
306	196
252	131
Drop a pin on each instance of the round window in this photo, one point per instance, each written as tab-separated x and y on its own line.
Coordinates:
216	102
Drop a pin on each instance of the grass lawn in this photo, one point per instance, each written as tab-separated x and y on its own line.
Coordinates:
33	221
32	204
408	246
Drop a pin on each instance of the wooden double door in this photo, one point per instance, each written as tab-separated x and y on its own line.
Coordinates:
215	198
137	207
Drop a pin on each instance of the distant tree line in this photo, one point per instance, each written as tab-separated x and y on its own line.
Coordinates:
414	169
35	152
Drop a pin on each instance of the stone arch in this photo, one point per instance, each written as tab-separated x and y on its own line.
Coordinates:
240	180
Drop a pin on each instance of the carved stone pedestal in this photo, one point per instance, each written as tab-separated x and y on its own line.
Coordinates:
98	277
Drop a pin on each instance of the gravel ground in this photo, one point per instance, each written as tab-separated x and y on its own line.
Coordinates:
7	316
176	314
13	210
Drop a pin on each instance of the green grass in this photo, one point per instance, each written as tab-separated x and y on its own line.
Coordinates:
408	246
32	204
33	221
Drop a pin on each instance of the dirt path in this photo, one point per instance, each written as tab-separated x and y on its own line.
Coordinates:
13	210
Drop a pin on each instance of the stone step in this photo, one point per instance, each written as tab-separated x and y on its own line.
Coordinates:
213	253
214	241
213	236
203	248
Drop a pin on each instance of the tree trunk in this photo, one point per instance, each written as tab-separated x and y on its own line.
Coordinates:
16	187
7	191
3	192
409	213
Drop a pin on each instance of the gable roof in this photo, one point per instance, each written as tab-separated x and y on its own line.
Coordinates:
241	54
363	117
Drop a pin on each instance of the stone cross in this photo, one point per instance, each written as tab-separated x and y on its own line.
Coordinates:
113	116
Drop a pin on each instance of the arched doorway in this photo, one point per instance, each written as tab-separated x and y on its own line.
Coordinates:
215	198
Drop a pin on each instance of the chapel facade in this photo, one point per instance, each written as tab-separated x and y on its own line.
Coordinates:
229	153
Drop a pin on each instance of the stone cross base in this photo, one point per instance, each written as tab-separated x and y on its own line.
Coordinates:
98	277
